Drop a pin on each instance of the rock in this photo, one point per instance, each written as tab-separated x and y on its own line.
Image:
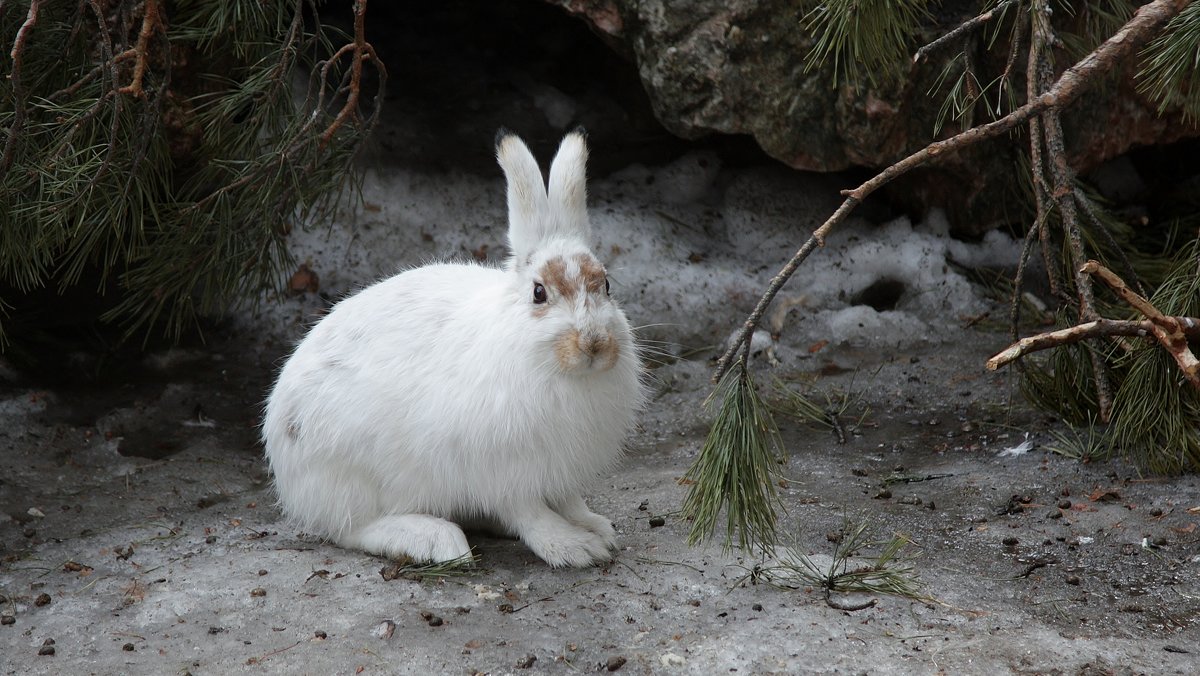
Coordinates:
737	67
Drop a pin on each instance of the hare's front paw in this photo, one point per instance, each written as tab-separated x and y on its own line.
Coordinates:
576	511
570	546
558	541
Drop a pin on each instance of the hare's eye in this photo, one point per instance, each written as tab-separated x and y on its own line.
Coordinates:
606	288
539	293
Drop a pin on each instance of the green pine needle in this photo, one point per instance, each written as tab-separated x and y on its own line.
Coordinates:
1085	443
867	38
408	569
179	199
849	571
829	415
736	470
1170	71
1155	410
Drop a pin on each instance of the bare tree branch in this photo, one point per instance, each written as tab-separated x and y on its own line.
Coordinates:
1111	328
1171	333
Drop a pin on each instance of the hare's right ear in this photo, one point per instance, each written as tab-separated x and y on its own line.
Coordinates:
527	204
568	187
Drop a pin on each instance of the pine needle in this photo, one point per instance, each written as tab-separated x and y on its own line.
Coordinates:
830	415
863	37
736	469
1170	68
410	569
1084	443
849	571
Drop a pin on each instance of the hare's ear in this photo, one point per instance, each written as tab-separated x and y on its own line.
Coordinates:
568	187
527	208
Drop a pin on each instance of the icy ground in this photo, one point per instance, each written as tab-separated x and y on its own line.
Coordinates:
137	531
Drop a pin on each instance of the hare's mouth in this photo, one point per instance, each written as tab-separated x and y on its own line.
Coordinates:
586	352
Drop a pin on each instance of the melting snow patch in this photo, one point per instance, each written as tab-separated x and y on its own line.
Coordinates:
690	246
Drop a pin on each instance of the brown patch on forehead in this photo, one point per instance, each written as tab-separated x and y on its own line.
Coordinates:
554	276
591	272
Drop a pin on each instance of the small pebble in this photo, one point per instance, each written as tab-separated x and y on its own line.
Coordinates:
1157	511
320	635
258	591
385	630
1054	515
644	505
128	647
1011	541
615	662
42	599
1160	541
757	606
1072	579
7	620
216	630
210	539
46	650
883	494
656	521
435	621
262	572
526	662
1064	504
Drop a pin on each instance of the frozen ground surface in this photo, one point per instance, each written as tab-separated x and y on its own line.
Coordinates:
138	533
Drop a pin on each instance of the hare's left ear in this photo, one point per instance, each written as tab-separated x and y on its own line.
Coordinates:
568	187
527	207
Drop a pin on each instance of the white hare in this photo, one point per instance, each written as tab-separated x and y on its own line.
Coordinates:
462	392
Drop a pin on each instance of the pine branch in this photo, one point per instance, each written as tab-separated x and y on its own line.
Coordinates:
965	27
150	22
1171	332
1100	328
1145	24
1041	39
18	86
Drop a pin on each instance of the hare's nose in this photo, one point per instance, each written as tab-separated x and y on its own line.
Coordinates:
595	344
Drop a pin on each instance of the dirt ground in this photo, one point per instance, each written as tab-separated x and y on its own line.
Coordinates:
138	536
138	533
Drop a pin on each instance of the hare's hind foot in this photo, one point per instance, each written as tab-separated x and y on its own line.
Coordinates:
420	537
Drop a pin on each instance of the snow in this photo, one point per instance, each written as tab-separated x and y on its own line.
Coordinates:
690	246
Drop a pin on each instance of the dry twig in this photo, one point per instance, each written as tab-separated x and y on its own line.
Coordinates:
140	52
361	51
1170	332
1043	341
